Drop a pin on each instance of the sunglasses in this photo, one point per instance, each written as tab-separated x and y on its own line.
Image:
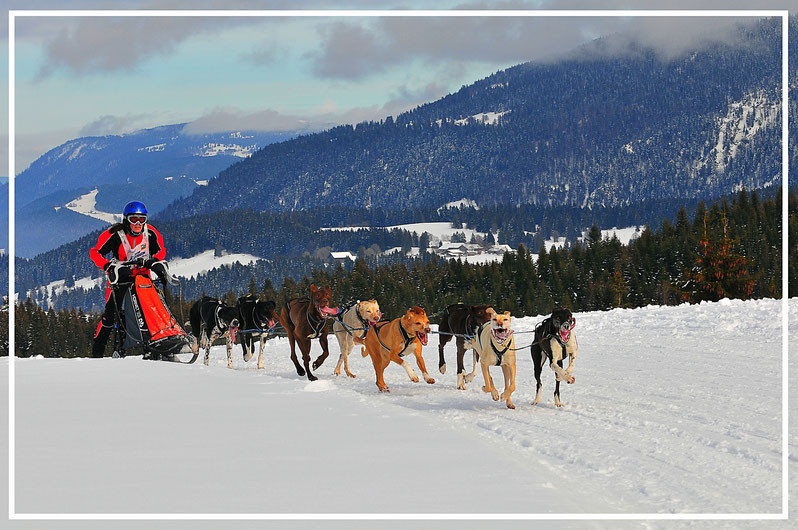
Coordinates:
137	219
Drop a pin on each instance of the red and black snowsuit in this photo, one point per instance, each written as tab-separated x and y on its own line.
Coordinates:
119	241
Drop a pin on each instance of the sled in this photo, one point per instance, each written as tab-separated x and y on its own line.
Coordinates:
150	325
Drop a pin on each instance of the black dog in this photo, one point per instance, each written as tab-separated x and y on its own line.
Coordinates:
460	319
257	318
210	319
554	340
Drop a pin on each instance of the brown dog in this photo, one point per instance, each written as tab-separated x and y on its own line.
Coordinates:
304	319
496	347
389	341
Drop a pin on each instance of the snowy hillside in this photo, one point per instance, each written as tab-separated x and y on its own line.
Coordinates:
664	417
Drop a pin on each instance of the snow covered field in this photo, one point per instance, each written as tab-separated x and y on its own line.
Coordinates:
674	410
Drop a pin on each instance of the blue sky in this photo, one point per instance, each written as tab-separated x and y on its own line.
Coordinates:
81	76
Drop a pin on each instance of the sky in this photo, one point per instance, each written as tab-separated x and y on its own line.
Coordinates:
80	76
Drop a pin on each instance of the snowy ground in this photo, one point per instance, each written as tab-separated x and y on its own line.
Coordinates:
664	418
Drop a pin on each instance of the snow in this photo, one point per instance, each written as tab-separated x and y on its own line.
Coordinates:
86	205
664	417
214	149
184	267
462	203
206	261
153	148
486	118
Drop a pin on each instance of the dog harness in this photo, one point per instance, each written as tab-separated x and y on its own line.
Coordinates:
498	353
407	338
321	323
364	325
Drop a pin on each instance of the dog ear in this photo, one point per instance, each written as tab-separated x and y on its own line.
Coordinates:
270	305
507	313
490	311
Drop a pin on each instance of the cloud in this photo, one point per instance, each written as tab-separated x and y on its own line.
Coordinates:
356	49
109	124
112	44
323	117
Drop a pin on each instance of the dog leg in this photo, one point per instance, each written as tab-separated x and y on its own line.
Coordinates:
304	347
470	377
325	349
537	362
556	363
489	388
422	366
460	368
261	347
208	345
409	369
509	385
292	342
248	345
229	344
379	369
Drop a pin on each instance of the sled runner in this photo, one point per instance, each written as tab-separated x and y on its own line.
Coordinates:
148	323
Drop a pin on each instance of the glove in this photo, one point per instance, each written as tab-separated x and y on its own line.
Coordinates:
149	262
161	269
116	272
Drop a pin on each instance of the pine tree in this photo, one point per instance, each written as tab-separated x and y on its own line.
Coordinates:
720	272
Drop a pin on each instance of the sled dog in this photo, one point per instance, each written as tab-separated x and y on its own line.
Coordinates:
210	319
555	340
305	319
351	328
390	341
257	318
459	320
495	346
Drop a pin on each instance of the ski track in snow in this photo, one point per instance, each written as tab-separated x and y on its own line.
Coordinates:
674	410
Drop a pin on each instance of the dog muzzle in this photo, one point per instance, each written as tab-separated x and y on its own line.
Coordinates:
501	334
566	328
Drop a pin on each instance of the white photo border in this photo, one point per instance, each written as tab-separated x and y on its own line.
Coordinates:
14	14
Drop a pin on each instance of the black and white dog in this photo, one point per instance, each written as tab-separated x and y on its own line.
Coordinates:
555	340
258	319
210	319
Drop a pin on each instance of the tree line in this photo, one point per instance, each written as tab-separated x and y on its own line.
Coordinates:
728	249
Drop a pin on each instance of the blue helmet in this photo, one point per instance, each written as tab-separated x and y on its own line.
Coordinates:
134	207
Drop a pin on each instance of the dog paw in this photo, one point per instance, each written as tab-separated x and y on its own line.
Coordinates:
247	357
461	386
469	377
260	367
300	372
414	379
430	381
571	380
442	368
350	374
385	389
494	395
536	402
312	377
510	405
337	371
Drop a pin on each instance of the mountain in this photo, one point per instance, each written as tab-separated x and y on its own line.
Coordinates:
592	131
155	166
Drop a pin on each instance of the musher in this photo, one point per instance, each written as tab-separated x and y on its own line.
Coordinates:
132	240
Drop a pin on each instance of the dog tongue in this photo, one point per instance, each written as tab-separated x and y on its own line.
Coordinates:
329	310
233	334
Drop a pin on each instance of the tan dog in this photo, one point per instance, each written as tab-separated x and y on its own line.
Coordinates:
351	328
495	346
389	341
